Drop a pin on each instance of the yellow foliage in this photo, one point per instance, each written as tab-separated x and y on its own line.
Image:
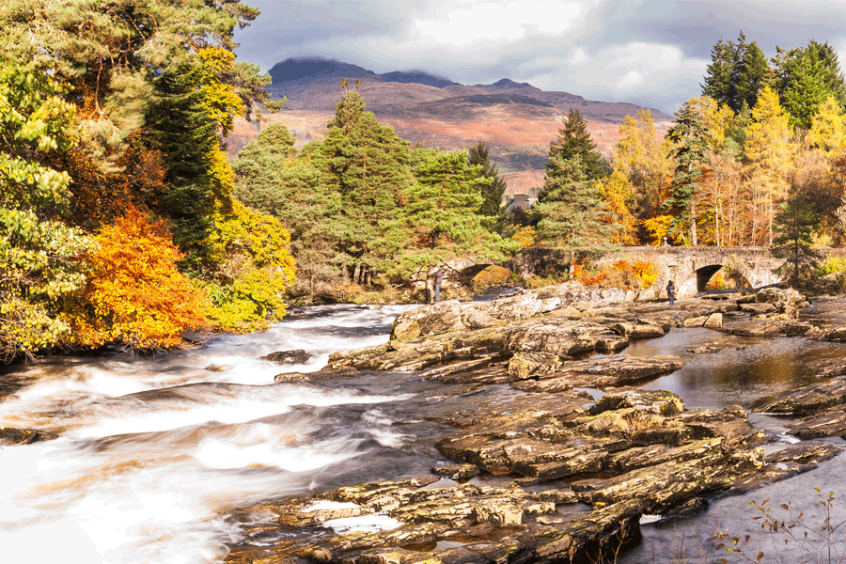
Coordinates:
657	228
617	193
220	98
256	269
525	237
828	130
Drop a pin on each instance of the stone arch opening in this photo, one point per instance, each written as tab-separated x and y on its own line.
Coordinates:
732	278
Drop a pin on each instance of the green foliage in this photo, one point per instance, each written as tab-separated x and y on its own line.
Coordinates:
569	209
39	255
109	53
794	226
832	265
574	140
806	77
690	151
440	216
479	155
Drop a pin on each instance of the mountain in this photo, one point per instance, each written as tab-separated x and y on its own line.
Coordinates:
517	120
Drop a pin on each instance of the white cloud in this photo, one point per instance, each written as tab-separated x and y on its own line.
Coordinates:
486	21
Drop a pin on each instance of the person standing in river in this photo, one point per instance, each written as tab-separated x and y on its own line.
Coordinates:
439	278
671	292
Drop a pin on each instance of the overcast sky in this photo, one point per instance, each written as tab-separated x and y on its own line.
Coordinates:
649	52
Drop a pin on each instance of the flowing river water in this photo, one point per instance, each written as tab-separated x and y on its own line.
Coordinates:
155	454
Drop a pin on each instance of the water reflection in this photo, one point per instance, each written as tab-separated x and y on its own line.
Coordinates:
747	371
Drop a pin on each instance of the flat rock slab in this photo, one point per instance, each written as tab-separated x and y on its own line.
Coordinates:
829	423
457	472
769	327
542	373
829	367
493	525
810	399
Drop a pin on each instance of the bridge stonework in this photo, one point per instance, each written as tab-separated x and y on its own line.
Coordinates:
690	268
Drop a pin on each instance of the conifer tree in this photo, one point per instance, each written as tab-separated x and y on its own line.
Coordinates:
752	75
690	153
806	77
570	209
367	164
794	225
720	74
574	140
492	193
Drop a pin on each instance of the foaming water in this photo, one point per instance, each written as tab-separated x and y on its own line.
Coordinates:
154	451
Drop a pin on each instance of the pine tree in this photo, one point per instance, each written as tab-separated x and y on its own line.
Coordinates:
752	75
367	165
183	129
720	74
574	140
493	192
794	225
570	209
690	153
807	76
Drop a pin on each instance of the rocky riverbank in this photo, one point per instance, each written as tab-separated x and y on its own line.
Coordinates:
569	476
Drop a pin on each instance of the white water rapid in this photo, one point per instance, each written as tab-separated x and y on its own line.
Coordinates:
153	452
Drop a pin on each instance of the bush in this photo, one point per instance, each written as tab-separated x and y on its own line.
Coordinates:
139	297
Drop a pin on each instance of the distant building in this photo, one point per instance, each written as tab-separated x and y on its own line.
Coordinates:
519	204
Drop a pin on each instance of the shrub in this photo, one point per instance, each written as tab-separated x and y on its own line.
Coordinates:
138	296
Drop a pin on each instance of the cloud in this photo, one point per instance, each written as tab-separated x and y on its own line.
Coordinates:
651	52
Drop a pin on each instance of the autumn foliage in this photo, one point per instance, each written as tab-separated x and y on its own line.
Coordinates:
138	295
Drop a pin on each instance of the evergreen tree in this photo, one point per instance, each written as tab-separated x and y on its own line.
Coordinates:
720	74
185	133
752	75
492	193
794	225
690	152
574	140
807	76
440	216
367	165
570	209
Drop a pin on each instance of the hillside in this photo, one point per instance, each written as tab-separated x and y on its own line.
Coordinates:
518	120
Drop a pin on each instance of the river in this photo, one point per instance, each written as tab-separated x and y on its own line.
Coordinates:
156	453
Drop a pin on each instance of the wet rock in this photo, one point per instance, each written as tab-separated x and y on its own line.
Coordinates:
298	356
810	399
556	336
828	367
758	308
829	423
787	463
714	321
835	334
11	436
759	327
687	510
656	401
601	373
695	321
291	377
457	472
705	349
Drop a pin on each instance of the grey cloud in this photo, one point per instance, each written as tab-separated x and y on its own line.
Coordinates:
376	34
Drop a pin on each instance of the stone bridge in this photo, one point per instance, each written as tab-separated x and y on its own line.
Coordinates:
690	268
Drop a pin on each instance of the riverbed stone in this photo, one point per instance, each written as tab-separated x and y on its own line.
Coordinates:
714	321
809	399
695	321
297	356
828	367
12	436
457	472
549	373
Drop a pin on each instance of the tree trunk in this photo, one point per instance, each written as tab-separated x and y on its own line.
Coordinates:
356	273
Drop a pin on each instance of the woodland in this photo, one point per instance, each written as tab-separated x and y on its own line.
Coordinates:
122	223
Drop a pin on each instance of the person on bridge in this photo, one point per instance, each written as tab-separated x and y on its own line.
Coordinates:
671	292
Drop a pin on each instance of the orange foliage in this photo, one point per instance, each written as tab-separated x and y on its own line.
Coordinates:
138	295
585	277
99	197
